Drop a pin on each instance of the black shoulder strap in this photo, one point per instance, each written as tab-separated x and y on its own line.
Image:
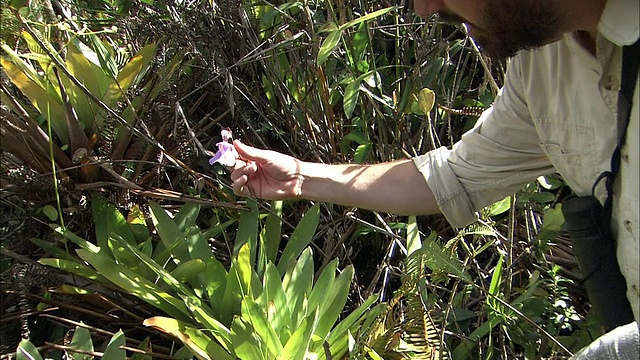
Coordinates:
630	64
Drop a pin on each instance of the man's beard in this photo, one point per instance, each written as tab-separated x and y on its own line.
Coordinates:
510	26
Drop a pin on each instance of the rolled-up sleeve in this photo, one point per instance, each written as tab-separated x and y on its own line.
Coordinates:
500	155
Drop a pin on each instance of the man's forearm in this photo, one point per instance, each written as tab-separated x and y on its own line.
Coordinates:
396	187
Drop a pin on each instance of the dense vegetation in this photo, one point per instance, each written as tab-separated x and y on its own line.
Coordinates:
119	240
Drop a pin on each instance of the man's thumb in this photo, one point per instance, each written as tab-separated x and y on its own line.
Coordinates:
247	152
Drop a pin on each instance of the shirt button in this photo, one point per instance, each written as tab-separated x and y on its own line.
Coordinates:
612	83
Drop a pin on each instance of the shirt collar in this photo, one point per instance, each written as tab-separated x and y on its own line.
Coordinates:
620	21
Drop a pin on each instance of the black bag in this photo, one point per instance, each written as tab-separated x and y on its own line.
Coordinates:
588	222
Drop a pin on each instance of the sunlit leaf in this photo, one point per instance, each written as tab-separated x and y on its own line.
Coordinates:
82	341
73	267
426	100
300	238
414	241
200	344
257	317
246	343
350	99
328	45
297	283
27	351
113	350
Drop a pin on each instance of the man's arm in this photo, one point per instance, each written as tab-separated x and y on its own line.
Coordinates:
394	187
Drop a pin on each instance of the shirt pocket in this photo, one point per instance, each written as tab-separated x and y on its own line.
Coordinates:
570	148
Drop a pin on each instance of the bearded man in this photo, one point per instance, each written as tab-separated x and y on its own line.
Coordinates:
560	110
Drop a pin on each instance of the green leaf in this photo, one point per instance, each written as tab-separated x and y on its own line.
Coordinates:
426	100
82	341
500	207
437	259
257	317
134	283
27	351
340	331
362	152
297	283
366	17
108	220
270	237
187	216
188	270
246	345
169	233
414	243
327	46
73	267
113	350
47	101
300	238
494	287
274	300
248	230
332	305
543	197
299	341
197	341
350	99
238	285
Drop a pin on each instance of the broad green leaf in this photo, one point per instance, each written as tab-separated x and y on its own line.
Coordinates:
108	220
138	224
238	284
113	350
134	283
86	64
216	276
27	351
500	207
362	152
47	101
126	76
246	344
300	238
366	17
206	320
53	250
82	341
104	52
299	341
257	317
328	45
543	197
274	299
73	267
25	66
414	243
169	232
426	100
145	346
333	304
323	285
76	239
297	283
188	270
270	237
197	341
340	331
187	216
496	280
350	99
125	256
248	230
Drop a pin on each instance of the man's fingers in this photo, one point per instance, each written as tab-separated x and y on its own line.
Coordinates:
250	153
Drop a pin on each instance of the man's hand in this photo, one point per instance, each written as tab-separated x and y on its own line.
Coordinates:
266	174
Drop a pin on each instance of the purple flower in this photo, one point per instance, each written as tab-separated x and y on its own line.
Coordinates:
227	154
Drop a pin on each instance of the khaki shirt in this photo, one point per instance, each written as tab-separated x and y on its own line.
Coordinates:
555	113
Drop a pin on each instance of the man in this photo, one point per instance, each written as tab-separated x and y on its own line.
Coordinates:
556	113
